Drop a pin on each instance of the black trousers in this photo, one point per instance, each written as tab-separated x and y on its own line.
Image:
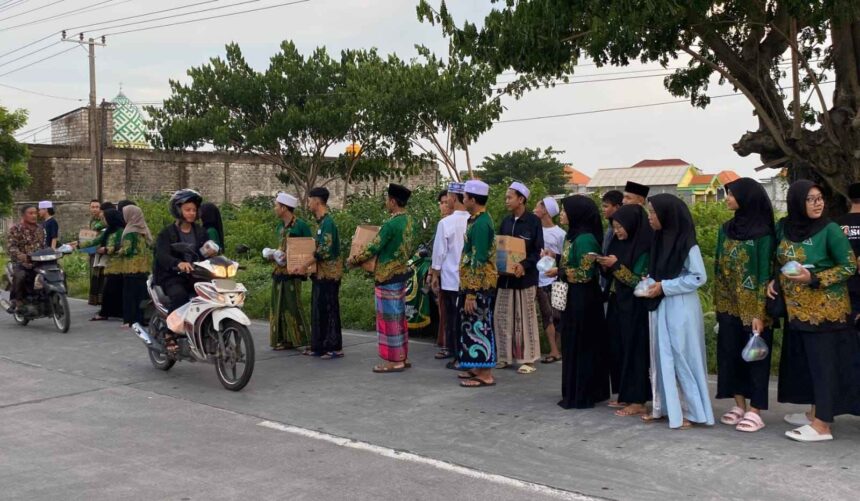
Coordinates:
22	282
326	334
735	375
180	290
112	297
133	294
452	327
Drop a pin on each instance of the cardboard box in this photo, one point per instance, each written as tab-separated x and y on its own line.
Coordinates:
364	234
87	235
299	251
509	252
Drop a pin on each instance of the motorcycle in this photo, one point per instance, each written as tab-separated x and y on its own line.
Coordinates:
210	328
419	311
46	296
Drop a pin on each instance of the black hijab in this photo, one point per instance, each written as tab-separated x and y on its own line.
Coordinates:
583	216
114	222
798	226
634	220
210	216
754	216
672	243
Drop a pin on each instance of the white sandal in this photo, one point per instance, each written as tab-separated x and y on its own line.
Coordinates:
807	433
799	419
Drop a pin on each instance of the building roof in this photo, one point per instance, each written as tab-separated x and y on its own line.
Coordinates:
67	113
575	177
128	127
701	179
666	162
654	176
727	176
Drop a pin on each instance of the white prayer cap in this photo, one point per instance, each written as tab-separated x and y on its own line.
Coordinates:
288	200
46	204
551	206
475	187
520	187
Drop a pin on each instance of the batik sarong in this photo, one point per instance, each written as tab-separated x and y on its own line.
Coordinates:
516	326
288	326
326	334
391	327
477	346
97	283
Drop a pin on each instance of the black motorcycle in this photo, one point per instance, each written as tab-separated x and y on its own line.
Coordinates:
46	296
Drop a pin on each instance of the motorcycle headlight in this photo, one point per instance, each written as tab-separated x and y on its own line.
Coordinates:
225	271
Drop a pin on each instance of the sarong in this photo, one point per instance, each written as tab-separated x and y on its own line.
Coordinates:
326	332
97	282
477	346
391	328
287	323
516	326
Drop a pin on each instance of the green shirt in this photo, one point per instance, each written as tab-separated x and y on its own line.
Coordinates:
478	272
824	301
393	247
113	244
327	254
742	270
297	228
134	254
96	224
577	266
212	234
631	277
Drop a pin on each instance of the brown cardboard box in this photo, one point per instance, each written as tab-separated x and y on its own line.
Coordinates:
364	234
509	252
299	251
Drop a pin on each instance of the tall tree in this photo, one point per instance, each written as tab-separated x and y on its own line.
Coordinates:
525	165
13	157
743	42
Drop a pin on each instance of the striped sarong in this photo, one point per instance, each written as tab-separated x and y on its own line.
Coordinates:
391	328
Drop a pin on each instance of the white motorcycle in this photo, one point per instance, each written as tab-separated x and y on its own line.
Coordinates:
210	328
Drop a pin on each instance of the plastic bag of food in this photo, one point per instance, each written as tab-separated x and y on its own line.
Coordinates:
545	264
756	349
791	269
641	289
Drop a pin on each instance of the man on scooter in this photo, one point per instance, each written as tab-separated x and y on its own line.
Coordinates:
23	238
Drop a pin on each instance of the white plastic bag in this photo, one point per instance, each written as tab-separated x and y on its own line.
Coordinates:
545	264
756	349
641	289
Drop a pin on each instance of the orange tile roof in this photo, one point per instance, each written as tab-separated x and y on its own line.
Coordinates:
727	176
666	162
575	177
701	179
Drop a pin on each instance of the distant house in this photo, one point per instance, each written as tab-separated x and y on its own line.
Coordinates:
707	187
575	181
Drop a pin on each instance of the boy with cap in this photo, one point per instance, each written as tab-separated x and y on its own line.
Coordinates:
393	246
515	312
52	229
850	224
478	276
288	327
635	193
553	242
445	268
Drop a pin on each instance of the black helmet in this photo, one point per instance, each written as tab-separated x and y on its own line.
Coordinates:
182	197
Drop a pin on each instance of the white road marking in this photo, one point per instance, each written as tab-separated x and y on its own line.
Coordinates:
435	463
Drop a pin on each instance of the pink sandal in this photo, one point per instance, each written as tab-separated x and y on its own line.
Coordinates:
750	423
733	417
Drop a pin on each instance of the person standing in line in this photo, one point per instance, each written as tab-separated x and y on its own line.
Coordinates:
326	334
553	243
478	275
445	268
850	224
678	365
393	246
627	320
743	266
437	306
135	253
611	201
516	326
288	327
635	194
52	228
109	245
820	359
97	225
210	218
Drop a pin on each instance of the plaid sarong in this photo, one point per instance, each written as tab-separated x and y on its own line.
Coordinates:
391	328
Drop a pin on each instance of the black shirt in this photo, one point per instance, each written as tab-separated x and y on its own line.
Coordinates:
850	224
529	228
166	260
52	231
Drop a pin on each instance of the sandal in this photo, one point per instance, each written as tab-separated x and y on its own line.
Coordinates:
443	354
503	365
476	382
626	412
807	433
466	375
331	355
733	417
453	365
526	369
649	418
751	423
97	318
615	404
309	353
550	359
279	347
384	369
685	425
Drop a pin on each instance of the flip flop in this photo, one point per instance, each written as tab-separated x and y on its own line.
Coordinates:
615	404
751	423
331	355
650	419
550	359
625	413
466	375
443	354
453	365
384	369
733	416
503	365
807	433
98	319
526	369
480	382
309	353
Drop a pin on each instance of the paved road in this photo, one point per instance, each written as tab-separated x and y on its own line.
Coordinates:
84	416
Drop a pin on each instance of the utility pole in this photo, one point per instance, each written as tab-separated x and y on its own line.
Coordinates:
92	118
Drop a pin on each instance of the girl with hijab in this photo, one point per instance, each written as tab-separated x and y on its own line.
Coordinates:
135	253
820	361
678	359
210	216
584	373
743	266
627	262
110	242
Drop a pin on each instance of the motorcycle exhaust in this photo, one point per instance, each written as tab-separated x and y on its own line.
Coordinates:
142	334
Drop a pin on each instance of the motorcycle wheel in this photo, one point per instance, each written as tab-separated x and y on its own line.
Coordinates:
160	360
21	320
235	364
60	312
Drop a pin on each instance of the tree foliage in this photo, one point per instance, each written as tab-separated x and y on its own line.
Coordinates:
526	165
13	157
742	42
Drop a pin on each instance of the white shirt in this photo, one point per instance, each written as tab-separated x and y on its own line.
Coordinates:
553	241
448	248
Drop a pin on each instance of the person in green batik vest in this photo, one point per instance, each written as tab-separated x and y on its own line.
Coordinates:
288	327
98	225
135	253
392	246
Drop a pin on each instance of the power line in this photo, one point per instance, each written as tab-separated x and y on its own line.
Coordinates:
142	15
39	93
69	13
285	4
29	54
32	10
173	16
11	5
34	130
38	61
29	44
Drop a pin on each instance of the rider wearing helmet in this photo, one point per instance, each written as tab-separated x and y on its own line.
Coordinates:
172	270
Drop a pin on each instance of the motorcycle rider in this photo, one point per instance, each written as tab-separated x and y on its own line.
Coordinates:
22	239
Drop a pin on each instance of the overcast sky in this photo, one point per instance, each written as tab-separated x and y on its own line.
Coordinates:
143	62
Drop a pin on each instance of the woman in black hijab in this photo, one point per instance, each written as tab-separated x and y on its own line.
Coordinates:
743	266
679	368
210	216
584	346
820	360
110	241
627	315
